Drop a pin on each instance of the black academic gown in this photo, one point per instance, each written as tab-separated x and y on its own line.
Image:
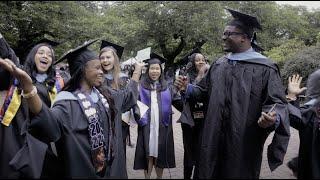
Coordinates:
66	124
191	133
232	142
166	156
125	127
21	154
307	123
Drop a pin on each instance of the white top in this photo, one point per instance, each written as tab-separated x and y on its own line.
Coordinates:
154	125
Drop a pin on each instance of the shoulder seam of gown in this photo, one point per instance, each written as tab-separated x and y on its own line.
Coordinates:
64	95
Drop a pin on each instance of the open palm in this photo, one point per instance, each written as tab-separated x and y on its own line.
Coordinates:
294	83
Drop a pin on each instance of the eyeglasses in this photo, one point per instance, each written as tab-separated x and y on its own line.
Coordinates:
227	34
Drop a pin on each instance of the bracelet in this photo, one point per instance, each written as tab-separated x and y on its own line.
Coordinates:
30	94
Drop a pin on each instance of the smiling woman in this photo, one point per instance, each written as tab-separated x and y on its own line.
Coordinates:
15	140
43	59
85	120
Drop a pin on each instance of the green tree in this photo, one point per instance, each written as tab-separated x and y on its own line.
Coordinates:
304	62
171	28
285	51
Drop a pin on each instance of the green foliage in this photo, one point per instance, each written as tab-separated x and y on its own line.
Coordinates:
285	51
171	28
163	24
303	62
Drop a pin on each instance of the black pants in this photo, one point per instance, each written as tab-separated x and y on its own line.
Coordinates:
191	144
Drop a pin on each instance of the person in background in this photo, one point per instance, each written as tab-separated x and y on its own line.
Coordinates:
84	122
110	55
193	115
306	119
155	143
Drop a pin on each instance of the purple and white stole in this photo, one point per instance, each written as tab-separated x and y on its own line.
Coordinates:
165	106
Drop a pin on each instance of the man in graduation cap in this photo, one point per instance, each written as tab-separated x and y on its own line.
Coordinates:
246	102
84	122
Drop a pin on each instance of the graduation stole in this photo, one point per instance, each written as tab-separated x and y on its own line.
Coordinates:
165	108
12	102
97	139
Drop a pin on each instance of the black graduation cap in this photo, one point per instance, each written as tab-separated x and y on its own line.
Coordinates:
44	41
155	59
119	49
48	41
245	22
79	56
249	21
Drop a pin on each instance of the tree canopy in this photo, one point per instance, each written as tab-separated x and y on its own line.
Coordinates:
171	28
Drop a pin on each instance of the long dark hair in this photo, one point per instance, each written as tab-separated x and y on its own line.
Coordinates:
146	81
31	68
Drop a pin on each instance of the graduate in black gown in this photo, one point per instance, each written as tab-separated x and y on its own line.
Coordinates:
193	114
84	122
306	119
21	154
110	55
241	88
155	143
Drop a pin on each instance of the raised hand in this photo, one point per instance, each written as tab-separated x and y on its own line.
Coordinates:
203	70
138	66
24	79
137	71
181	83
294	83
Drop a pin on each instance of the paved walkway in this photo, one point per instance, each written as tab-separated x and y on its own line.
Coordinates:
282	172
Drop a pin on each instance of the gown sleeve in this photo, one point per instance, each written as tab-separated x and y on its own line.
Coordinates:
49	122
279	144
127	97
